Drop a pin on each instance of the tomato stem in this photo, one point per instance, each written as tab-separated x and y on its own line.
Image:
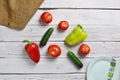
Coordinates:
27	41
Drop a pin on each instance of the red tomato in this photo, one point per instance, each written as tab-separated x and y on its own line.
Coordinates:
46	17
54	50
63	25
84	49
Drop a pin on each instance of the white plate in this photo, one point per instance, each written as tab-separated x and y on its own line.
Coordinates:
98	69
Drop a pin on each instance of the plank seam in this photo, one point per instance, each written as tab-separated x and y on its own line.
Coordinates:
42	73
80	8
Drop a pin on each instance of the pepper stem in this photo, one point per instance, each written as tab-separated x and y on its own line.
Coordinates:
27	41
80	26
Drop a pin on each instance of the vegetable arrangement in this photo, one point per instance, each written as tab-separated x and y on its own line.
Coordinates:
75	37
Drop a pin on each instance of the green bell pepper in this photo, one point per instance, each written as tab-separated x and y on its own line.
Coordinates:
76	36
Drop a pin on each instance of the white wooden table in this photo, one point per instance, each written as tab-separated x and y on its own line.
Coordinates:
100	18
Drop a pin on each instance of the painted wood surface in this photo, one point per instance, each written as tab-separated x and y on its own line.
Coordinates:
44	77
96	32
81	4
100	18
98	23
16	49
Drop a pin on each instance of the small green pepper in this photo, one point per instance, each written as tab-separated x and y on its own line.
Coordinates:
76	36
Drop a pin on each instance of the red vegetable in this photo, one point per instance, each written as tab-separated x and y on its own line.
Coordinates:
33	51
46	17
54	50
63	25
84	49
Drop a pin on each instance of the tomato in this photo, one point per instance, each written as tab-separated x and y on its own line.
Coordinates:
54	50
63	25
46	17
84	49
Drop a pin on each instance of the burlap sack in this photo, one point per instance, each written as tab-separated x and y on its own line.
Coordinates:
16	13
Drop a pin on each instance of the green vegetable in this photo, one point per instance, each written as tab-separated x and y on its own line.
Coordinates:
75	59
76	36
46	37
113	63
110	74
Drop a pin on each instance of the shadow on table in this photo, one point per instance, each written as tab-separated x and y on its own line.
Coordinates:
27	59
50	57
85	76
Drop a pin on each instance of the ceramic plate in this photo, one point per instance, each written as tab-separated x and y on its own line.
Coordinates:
100	69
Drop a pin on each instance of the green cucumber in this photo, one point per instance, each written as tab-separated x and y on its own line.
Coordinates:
46	37
75	59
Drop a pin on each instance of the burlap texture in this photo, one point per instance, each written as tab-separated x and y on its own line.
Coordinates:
16	13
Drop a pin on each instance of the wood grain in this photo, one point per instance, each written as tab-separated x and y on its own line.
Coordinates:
44	77
76	16
16	49
96	33
81	4
46	65
100	18
15	59
102	25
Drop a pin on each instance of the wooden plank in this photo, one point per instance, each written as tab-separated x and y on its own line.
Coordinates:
44	77
16	49
46	65
75	16
35	33
101	25
81	4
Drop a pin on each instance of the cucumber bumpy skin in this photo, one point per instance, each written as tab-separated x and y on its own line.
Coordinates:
75	59
46	37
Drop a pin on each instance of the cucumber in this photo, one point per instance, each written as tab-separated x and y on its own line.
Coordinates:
75	59
46	37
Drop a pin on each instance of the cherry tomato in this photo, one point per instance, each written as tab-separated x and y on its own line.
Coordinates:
46	17
84	49
63	25
54	50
